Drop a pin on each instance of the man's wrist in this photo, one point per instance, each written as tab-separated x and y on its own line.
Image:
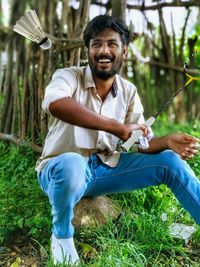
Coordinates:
167	141
114	127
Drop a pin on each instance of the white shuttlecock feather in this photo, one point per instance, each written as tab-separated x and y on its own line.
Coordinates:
29	26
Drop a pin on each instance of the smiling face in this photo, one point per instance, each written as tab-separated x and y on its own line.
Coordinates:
106	54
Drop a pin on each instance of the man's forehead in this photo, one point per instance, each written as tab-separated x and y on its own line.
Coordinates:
107	33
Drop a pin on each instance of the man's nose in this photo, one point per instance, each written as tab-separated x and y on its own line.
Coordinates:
105	49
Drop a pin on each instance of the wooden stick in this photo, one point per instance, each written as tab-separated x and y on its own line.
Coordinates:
19	142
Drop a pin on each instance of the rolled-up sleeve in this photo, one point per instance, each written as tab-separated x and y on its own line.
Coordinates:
63	84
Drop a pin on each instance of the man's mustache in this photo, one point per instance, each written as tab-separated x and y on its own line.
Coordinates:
104	57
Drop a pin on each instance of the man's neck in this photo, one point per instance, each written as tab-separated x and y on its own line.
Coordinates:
103	86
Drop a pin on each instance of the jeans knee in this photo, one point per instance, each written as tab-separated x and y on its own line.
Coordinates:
70	171
175	169
170	160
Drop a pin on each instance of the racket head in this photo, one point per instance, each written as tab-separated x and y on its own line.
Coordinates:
191	66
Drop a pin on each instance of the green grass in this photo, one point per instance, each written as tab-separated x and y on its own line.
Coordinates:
137	238
23	206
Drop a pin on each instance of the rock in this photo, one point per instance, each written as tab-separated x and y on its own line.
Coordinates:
95	211
182	231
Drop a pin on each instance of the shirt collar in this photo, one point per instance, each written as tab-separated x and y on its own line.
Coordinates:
89	82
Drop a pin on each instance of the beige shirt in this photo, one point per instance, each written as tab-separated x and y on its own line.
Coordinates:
122	104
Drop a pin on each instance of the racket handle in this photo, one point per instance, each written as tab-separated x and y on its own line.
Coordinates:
135	135
150	121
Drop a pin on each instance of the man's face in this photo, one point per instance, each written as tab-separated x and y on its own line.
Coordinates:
106	54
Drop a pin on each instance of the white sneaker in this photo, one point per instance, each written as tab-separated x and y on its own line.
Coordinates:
64	251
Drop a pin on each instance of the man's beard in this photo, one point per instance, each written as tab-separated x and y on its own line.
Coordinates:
105	74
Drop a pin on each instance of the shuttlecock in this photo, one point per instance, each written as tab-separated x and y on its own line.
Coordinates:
29	26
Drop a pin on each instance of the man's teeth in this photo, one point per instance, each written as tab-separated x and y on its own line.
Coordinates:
104	60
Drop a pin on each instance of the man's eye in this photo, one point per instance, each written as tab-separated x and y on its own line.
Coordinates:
96	44
113	44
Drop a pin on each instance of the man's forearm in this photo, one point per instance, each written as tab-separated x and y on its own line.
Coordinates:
68	110
156	144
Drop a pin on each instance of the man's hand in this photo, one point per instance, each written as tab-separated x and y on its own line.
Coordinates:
129	128
183	144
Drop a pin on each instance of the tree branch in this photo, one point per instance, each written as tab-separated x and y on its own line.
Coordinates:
156	6
165	4
19	142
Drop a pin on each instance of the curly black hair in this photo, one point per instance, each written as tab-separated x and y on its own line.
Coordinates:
101	22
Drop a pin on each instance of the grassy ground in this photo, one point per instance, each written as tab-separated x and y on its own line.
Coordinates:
139	237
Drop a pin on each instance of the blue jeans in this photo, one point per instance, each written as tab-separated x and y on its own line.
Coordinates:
69	177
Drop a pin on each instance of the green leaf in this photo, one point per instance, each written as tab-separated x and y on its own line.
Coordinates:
87	250
16	263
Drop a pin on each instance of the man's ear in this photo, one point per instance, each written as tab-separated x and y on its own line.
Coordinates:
124	52
86	50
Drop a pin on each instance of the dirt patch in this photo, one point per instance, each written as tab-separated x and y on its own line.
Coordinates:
24	253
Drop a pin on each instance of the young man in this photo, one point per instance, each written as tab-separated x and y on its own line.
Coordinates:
91	109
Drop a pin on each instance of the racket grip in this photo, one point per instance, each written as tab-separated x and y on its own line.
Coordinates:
135	136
